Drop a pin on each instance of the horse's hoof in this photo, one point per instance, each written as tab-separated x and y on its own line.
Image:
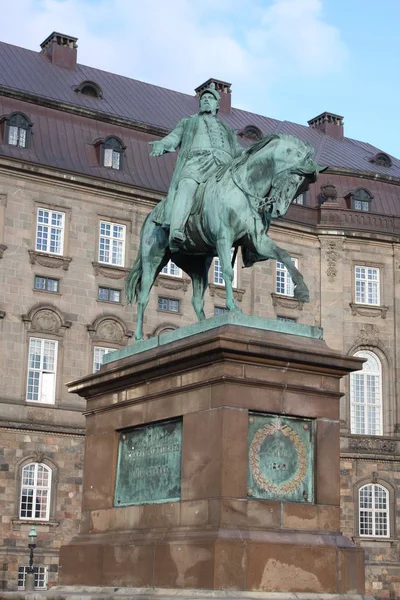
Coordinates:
302	296
235	309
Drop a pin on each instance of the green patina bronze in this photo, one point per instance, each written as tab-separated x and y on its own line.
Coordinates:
149	465
281	458
221	196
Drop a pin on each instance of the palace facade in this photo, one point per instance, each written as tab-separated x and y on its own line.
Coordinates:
76	183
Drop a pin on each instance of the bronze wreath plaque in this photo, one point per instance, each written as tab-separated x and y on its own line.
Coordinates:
281	458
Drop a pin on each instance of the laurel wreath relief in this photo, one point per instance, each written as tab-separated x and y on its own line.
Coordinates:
254	458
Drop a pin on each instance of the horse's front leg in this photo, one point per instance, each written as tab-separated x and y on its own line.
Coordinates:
224	253
200	283
301	291
268	249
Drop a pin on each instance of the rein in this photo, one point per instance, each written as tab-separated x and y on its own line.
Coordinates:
262	200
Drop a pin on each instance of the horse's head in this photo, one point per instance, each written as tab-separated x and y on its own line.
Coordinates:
289	168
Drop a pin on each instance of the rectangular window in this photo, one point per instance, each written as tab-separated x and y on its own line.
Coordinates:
218	279
219	310
112	159
287	319
171	269
17	136
367	285
168	304
106	294
112	243
47	284
42	365
284	283
98	354
41	573
50	231
301	199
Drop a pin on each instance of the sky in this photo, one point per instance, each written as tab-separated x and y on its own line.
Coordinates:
286	59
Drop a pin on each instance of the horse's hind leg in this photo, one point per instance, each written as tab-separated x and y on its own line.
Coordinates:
224	253
199	277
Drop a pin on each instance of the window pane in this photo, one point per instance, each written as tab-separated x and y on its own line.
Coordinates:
21	137
42	363
115	296
40	283
374	511
284	282
35	492
108	157
112	243
50	231
52	285
98	354
103	293
171	269
13	135
40	581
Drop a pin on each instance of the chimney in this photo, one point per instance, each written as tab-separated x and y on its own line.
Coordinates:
223	88
328	123
61	50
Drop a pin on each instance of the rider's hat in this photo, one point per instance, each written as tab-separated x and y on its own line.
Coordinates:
211	90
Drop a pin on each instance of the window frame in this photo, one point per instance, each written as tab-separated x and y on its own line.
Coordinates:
25	570
216	267
21	120
62	228
113	143
35	488
168	310
367	267
97	347
366	404
42	370
170	266
109	289
46	278
112	224
366	201
287	280
373	510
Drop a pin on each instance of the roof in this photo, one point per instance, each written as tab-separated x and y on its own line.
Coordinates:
65	140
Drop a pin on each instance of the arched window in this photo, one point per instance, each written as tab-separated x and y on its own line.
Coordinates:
112	153
35	492
89	88
382	159
362	200
18	130
366	396
373	507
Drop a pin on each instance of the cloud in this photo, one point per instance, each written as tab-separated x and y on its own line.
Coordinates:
255	44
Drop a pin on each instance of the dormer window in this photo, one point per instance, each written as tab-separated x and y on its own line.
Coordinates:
112	153
89	88
18	130
362	200
251	132
382	159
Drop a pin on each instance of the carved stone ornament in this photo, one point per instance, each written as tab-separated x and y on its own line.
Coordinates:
109	329
328	192
372	445
109	271
45	319
3	248
38	457
369	311
368	335
286	301
49	260
332	249
172	283
219	290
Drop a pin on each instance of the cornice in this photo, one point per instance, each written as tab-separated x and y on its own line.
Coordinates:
82	111
77	181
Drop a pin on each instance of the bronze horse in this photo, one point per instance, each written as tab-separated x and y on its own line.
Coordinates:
233	209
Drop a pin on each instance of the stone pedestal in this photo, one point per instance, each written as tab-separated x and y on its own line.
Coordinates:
218	536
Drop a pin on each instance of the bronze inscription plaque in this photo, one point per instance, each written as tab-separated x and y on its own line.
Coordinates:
281	458
149	464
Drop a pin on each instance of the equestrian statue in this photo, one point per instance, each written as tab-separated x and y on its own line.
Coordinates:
221	196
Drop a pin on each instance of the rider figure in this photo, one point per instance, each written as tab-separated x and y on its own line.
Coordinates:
206	143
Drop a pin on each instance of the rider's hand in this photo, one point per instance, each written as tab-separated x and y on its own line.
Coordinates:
157	148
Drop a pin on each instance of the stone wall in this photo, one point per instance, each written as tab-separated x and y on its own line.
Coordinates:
64	455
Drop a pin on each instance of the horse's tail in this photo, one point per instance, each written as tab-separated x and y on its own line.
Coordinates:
134	279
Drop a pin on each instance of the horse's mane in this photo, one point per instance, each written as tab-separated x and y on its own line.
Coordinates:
263	142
